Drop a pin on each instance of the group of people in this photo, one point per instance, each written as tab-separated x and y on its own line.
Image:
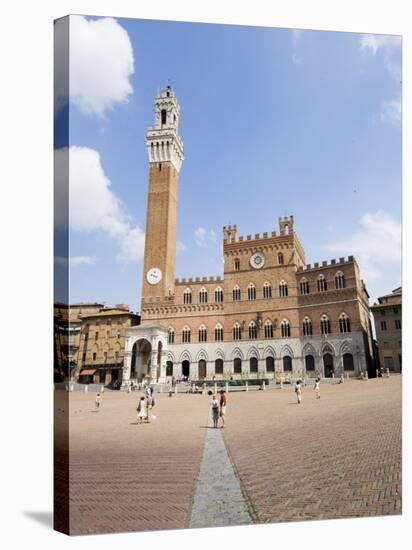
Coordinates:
218	407
298	389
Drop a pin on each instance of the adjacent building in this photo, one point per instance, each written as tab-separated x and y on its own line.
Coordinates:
270	313
101	344
387	315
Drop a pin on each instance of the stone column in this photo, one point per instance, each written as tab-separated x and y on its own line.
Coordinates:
127	365
163	359
153	367
210	370
227	368
193	371
262	368
319	370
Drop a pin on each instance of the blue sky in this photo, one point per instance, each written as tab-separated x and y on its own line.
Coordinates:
274	122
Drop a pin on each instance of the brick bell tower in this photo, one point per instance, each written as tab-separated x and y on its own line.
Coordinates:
165	151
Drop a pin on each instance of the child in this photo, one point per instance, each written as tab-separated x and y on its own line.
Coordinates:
98	400
141	411
215	411
316	387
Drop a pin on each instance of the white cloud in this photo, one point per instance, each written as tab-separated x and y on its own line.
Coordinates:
205	238
391	111
101	64
374	42
75	261
93	204
375	244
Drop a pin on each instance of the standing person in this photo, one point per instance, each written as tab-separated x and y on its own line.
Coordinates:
298	390
98	401
215	411
223	403
141	410
316	387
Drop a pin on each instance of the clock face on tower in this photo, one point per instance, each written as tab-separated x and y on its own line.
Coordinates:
154	276
257	260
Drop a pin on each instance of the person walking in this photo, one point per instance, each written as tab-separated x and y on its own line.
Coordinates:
223	403
98	401
316	387
141	410
298	390
215	411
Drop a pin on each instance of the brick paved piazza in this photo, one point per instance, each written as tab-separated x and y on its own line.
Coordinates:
339	456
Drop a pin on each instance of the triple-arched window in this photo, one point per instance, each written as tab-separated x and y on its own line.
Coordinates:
203	296
171	335
322	286
187	296
339	280
307	327
237	331
344	323
202	333
283	289
304	286
285	328
251	292
218	333
252	330
236	293
186	335
268	329
218	295
324	324
267	290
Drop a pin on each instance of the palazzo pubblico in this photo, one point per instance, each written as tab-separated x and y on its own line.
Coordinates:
270	315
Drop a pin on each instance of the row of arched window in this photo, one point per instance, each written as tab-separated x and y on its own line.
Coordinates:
283	292
252	329
287	365
321	283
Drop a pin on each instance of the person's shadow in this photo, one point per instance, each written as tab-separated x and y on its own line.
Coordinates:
44	518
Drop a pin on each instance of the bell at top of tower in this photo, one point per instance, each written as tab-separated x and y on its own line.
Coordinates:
163	141
167	110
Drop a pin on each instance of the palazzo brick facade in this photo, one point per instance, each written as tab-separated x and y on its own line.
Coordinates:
269	314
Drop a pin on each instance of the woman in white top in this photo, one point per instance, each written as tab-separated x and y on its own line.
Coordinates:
215	411
141	411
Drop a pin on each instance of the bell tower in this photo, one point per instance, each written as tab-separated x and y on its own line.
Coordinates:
165	151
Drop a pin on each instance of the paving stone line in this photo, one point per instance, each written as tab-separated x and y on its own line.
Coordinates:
218	499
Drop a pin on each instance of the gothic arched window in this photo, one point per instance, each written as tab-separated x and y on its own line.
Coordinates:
344	323
324	324
187	296
285	328
304	286
280	258
186	335
237	331
202	333
339	280
171	336
164	116
307	327
283	289
218	333
268	329
322	286
252	331
236	293
251	292
218	295
203	296
267	290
